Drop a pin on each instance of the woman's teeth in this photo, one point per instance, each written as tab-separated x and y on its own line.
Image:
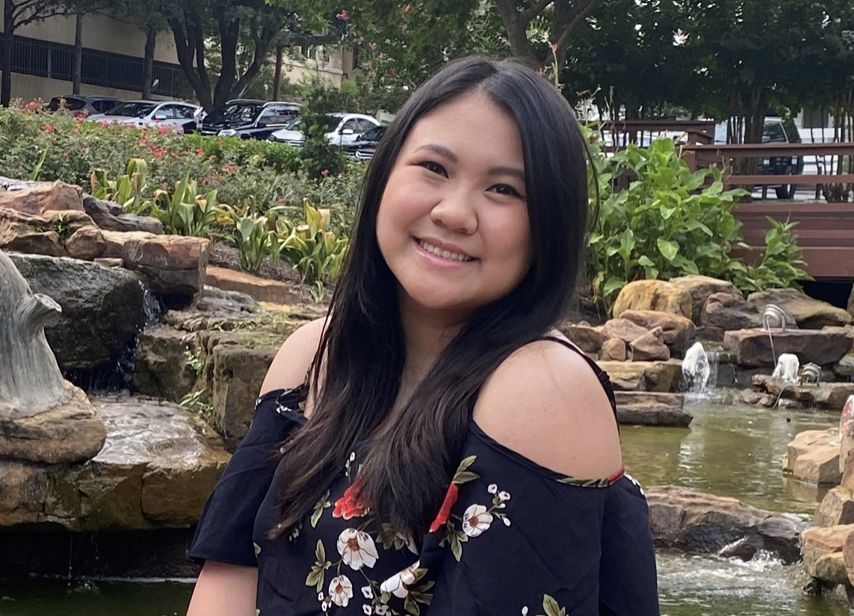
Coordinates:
443	253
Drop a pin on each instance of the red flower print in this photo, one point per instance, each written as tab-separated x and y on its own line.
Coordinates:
348	506
445	510
342	15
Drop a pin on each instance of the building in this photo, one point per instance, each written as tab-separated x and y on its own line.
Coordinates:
113	49
332	63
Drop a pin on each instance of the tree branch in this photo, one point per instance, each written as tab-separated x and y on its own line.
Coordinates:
578	13
532	11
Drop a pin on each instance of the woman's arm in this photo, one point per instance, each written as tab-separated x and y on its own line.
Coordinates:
224	590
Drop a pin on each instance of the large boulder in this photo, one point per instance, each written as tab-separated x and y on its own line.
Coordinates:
110	216
837	507
162	368
157	468
660	376
708	524
818	545
614	349
41	197
650	347
809	313
623	329
49	233
730	312
753	346
677	329
641	408
70	432
830	396
262	289
701	288
102	309
813	457
654	295
588	339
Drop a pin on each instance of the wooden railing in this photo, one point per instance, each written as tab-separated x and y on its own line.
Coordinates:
703	156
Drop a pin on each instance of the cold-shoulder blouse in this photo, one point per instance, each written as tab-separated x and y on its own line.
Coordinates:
511	537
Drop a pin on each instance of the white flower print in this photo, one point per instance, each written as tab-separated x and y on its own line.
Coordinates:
398	584
340	590
492	489
476	519
368	592
357	549
381	610
367	610
504	496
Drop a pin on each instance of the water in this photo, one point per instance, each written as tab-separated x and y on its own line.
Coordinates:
730	450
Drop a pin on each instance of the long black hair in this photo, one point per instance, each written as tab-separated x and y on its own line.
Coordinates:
405	473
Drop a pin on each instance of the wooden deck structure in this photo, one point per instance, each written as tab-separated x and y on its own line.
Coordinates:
825	230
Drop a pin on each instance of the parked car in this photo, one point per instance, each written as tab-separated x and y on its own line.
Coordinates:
342	129
249	119
172	114
83	105
365	146
776	130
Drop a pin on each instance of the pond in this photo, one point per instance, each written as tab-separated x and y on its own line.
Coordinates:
730	450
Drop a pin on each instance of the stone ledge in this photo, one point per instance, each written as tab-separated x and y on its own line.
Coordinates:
261	289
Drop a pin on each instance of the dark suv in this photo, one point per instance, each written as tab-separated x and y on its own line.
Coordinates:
248	119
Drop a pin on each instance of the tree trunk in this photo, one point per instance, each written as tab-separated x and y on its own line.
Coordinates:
8	32
77	71
30	380
148	62
277	76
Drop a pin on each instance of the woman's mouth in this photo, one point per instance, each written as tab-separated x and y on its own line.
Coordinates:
444	254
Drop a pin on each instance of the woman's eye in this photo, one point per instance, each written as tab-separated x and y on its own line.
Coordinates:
435	168
505	189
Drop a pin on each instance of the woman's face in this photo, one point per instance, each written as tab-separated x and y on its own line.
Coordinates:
453	221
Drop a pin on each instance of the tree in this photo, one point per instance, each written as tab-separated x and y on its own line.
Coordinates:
553	20
17	13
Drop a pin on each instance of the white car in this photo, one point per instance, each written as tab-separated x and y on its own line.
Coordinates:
171	114
343	129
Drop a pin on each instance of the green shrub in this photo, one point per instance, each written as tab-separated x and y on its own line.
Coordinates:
319	157
185	211
313	249
778	263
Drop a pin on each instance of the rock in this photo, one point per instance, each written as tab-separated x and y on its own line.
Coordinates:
748	396
845	366
653	295
173	266
162	369
677	329
706	524
848	555
614	349
837	507
730	312
261	289
159	481
650	347
652	409
644	376
584	337
110	217
86	244
102	309
623	329
71	432
819	542
753	346
813	457
830	396
28	234
851	302
846	457
701	288
831	568
809	313
43	197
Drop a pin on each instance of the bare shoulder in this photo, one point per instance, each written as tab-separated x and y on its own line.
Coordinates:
546	403
293	361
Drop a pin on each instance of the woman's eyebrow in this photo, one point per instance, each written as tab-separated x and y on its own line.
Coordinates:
514	171
439	149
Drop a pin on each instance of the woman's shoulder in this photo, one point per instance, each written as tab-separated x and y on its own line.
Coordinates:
294	359
546	402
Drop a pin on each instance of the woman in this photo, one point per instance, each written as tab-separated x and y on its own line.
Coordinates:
445	452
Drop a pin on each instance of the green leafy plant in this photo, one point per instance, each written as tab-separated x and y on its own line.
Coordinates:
128	190
319	157
195	401
194	361
778	267
316	252
186	211
251	234
34	175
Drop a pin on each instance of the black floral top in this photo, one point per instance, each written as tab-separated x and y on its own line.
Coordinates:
510	538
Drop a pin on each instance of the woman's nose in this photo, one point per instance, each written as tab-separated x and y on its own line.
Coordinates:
456	212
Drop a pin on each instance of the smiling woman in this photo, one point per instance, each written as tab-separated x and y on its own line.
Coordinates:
441	450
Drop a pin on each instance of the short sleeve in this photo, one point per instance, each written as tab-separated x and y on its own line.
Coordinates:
519	536
224	532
